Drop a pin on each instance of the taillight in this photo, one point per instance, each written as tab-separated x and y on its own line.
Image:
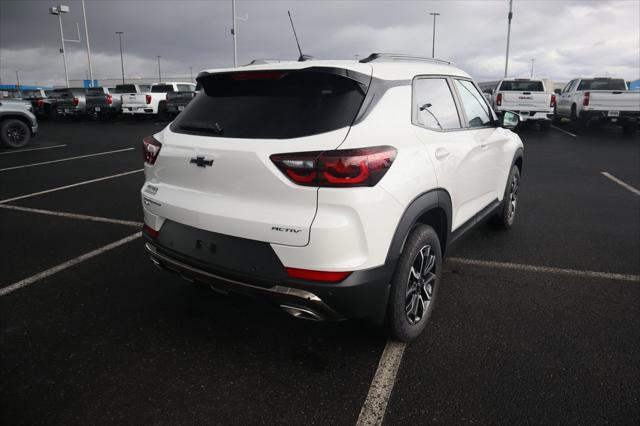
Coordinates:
150	231
337	168
40	103
148	99
321	276
499	99
76	101
585	99
150	149
553	101
109	99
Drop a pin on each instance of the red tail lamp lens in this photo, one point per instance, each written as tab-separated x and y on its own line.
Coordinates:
499	99
150	231
109	99
76	101
150	149
148	99
40	103
553	101
585	100
337	168
320	276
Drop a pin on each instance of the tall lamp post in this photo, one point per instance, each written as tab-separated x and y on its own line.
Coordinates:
121	58
510	16
433	46
159	73
532	61
86	33
59	10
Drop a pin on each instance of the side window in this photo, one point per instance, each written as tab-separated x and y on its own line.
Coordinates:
433	104
473	103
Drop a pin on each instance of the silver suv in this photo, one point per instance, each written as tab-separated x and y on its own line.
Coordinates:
17	124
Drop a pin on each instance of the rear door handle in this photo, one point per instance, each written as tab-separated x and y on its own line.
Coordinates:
442	153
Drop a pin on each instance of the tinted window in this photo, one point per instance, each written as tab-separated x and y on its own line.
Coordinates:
273	104
433	104
185	88
125	88
144	88
521	86
31	94
95	91
162	88
602	84
473	103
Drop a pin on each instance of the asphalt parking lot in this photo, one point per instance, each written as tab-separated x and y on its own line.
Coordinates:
537	325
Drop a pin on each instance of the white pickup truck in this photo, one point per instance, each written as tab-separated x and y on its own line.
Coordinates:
598	100
154	101
527	97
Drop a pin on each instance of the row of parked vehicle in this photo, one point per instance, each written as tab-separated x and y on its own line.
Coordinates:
583	101
164	100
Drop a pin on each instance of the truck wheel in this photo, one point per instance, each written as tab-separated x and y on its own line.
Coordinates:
629	127
163	114
415	284
506	215
577	124
14	133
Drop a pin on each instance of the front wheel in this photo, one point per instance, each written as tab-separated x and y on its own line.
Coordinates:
415	284
14	133
506	215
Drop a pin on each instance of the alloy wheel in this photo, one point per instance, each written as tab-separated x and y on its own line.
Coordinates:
420	285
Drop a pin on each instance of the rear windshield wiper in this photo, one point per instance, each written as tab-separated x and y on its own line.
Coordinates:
202	127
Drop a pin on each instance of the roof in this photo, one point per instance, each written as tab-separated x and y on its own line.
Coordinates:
383	68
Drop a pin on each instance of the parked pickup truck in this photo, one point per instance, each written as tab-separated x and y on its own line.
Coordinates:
37	97
527	97
597	100
154	102
71	101
177	101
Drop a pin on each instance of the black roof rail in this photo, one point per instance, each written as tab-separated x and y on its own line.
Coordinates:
401	56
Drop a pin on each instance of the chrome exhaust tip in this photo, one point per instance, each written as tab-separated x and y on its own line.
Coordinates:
301	313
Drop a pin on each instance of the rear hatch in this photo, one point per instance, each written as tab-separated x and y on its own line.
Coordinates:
238	122
68	99
524	95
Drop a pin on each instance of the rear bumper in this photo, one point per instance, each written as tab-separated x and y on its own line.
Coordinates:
605	115
363	294
177	107
147	109
545	115
102	109
61	110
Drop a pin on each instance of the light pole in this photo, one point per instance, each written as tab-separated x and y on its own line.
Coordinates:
18	79
86	33
121	58
191	73
532	61
159	73
433	46
59	10
233	33
510	16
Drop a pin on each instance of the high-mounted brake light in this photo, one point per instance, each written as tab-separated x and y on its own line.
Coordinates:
150	149
499	99
76	101
585	99
337	168
150	231
109	99
320	276
552	104
253	75
148	99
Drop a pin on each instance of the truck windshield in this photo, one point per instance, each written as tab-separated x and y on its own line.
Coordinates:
274	104
521	86
161	88
602	84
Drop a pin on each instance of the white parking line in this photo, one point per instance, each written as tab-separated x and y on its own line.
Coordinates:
375	406
16	151
545	269
60	188
564	131
66	159
621	183
61	267
74	216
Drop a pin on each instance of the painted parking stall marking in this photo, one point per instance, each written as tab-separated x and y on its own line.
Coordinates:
18	151
66	159
621	183
73	216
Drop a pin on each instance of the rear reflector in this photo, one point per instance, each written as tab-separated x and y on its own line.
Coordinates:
320	276
337	168
150	149
150	231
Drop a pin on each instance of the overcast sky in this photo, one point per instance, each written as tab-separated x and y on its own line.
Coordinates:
566	38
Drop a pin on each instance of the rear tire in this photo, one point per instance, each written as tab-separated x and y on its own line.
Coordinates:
14	133
577	124
163	114
506	215
413	292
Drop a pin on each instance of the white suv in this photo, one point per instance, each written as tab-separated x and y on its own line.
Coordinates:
331	187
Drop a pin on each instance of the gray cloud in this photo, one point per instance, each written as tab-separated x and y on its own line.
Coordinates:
567	38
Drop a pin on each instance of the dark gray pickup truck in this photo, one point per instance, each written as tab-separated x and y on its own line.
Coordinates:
177	101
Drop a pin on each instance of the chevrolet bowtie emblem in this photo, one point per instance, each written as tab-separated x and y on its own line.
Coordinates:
201	162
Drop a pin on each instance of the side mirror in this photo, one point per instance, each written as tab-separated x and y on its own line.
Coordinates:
510	120
557	91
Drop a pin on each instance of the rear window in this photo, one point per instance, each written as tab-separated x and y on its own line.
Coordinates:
185	88
521	86
602	84
125	88
95	91
274	104
31	94
161	88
